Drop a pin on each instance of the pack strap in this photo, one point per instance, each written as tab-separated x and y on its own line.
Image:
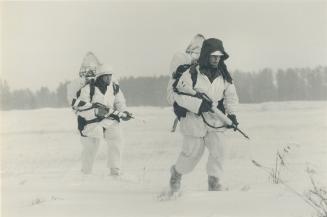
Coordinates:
209	125
194	75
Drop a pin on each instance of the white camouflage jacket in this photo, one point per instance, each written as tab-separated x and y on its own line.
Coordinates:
112	99
193	124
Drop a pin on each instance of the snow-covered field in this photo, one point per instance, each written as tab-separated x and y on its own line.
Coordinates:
40	165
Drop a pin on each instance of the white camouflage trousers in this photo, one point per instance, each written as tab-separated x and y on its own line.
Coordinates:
193	149
90	146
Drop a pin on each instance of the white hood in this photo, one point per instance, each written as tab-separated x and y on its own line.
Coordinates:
194	48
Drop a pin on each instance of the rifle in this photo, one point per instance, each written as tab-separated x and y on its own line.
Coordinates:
101	110
226	121
173	129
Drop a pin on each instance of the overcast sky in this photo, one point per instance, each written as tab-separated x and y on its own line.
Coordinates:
43	43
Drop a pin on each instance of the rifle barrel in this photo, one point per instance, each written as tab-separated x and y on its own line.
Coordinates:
246	136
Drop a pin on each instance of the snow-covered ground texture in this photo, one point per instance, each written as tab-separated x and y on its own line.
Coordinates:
40	165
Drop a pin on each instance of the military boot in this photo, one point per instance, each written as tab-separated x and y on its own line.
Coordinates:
114	172
175	180
213	184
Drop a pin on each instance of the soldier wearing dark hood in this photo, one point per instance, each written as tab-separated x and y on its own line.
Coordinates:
210	67
199	126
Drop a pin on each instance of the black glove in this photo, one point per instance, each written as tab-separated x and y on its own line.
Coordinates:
232	117
179	111
127	116
100	110
205	106
200	95
114	117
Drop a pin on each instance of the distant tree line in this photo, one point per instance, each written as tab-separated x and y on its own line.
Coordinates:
283	85
252	87
26	99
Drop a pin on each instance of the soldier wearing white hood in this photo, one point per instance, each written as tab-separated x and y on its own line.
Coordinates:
86	75
100	105
199	126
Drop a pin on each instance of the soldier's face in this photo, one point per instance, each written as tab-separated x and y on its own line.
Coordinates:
214	60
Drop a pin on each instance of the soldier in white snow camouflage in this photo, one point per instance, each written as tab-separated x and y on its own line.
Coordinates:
100	105
203	86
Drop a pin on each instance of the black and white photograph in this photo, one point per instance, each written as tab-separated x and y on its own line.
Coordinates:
176	108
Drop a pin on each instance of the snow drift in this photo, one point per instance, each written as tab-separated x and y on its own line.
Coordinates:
40	165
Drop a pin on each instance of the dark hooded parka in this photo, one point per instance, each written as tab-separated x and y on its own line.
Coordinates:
210	46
